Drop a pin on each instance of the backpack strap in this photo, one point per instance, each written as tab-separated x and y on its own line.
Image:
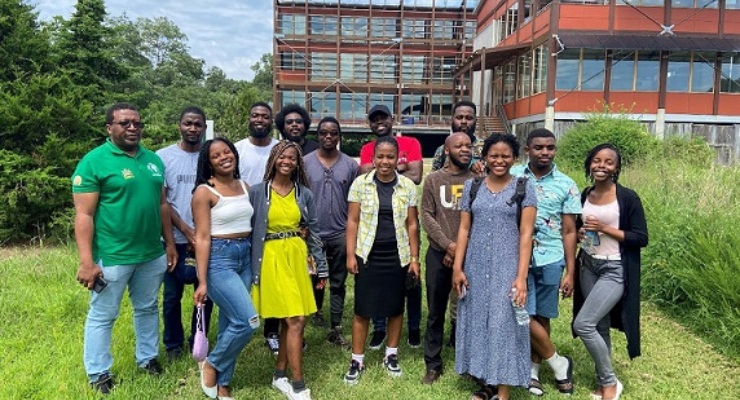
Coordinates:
474	188
519	193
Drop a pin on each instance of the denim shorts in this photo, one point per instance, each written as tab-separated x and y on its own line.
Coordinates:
543	282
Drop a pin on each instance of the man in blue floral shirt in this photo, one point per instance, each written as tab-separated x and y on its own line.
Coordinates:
558	204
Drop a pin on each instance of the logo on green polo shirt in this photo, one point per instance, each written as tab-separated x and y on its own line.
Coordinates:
127	174
155	171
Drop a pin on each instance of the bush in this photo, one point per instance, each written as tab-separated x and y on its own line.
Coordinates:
631	138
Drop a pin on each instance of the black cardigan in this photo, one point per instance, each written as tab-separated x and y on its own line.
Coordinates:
625	315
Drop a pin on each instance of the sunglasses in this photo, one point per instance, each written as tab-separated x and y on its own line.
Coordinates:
125	124
293	121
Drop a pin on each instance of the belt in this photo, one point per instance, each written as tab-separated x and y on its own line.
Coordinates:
281	235
611	257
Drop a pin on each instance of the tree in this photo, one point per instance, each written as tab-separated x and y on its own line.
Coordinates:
263	75
23	47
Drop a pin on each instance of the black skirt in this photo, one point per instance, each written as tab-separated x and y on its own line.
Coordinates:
380	284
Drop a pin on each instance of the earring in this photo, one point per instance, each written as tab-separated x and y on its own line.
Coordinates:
613	177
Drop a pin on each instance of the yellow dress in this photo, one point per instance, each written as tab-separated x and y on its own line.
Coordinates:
285	288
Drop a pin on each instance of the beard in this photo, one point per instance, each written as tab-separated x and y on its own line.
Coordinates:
260	133
470	131
458	163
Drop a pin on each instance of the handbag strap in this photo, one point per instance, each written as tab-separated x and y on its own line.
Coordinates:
199	319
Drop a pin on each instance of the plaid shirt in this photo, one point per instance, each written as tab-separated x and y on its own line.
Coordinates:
365	192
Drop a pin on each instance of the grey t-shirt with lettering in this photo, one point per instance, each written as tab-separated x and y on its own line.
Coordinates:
180	168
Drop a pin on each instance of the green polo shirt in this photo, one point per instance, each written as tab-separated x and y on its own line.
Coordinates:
127	221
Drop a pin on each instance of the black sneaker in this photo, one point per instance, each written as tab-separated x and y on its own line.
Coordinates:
104	384
318	320
377	341
174	354
353	375
414	338
391	364
153	367
336	338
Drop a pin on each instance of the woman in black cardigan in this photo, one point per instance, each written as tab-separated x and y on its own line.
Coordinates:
607	289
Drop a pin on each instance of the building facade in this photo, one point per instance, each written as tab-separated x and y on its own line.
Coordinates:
341	57
674	65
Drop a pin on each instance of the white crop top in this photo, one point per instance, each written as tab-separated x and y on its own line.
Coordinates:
232	214
608	214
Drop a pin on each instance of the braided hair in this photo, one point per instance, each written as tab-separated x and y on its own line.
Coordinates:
298	175
205	168
592	154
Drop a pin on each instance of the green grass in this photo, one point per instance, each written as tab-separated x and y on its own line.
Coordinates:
43	312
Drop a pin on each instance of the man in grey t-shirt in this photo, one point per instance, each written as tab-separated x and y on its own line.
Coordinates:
181	164
331	174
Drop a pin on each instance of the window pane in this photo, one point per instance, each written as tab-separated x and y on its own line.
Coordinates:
730	81
592	75
648	70
567	70
509	81
525	76
702	77
386	99
623	70
682	3
679	66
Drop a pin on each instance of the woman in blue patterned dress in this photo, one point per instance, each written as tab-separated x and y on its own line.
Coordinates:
491	346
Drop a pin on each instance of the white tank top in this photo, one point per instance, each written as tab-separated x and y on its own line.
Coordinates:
232	214
608	214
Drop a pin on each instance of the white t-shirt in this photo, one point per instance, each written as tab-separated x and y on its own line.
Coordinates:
180	168
252	160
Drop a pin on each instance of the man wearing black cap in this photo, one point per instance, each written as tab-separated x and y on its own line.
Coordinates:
411	165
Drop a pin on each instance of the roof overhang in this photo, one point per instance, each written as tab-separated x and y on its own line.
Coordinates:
644	42
488	58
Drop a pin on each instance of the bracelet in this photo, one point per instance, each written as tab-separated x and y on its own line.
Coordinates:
415	259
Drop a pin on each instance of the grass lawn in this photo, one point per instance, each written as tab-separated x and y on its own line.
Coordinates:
43	312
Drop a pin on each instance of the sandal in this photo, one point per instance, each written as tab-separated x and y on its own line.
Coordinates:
565	386
486	392
535	388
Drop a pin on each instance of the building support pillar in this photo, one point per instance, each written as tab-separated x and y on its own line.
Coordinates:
550	118
660	124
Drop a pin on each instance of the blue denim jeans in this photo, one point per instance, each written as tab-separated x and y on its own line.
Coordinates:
143	281
602	283
229	284
174	285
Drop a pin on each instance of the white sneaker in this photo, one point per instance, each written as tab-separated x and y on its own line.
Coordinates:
282	384
302	395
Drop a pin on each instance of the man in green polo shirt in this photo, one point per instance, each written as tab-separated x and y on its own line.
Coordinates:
121	213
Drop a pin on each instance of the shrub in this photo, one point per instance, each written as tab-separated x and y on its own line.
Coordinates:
628	135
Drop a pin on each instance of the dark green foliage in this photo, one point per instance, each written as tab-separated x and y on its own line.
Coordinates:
23	47
631	138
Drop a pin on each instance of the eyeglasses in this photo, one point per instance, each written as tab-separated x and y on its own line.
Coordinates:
125	124
293	121
329	133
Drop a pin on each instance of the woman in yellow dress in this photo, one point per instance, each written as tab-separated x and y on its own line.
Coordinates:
285	229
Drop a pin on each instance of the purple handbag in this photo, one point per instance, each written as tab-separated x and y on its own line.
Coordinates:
200	342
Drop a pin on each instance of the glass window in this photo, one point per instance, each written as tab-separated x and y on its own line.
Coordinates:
694	3
413	69
525	75
383	27
292	24
293	96
383	68
352	105
323	66
323	25
322	104
623	71
702	74
412	104
442	68
730	80
443	29
567	69
509	82
679	71
648	70
470	28
541	54
354	26
386	99
413	28
441	104
732	4
592	73
293	60
353	67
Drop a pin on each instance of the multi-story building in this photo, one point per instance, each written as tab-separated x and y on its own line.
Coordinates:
675	65
341	57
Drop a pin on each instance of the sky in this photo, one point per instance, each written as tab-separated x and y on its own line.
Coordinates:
232	38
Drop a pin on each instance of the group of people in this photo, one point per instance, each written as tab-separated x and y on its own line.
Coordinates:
261	227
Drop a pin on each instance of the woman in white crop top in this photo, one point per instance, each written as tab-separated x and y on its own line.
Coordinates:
222	213
607	287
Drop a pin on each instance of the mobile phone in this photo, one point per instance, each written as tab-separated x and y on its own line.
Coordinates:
100	284
463	292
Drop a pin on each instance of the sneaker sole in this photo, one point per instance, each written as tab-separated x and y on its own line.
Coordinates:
395	374
414	346
351	381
